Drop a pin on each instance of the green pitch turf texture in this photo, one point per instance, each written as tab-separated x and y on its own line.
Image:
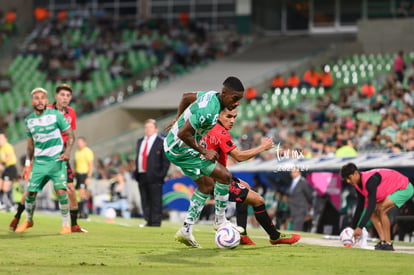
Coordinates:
124	248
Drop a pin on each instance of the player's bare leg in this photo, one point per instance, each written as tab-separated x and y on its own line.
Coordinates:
381	223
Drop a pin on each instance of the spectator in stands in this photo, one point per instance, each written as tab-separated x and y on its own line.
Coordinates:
3	124
293	80
9	25
10	118
368	90
300	200
22	112
118	192
409	73
86	106
54	68
326	77
92	63
41	14
311	77
126	69
346	149
251	93
62	16
116	69
277	82
6	82
399	66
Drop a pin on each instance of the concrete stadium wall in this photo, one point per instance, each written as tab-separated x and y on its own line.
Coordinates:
386	35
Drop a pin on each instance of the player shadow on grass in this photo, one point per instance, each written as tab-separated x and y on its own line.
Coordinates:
194	256
14	235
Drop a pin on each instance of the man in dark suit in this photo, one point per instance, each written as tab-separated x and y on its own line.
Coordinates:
300	200
152	167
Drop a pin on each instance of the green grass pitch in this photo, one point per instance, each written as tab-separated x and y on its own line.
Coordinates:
124	248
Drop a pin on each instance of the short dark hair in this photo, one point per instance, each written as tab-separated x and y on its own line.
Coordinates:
63	87
348	169
234	84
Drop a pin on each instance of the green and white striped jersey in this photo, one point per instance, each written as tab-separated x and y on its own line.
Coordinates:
202	114
46	130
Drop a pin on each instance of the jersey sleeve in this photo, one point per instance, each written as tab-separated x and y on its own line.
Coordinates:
63	124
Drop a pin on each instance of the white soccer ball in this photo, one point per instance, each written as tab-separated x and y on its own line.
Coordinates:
347	237
110	214
227	236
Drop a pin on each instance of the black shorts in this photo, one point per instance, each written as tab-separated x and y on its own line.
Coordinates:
80	181
10	173
237	192
70	172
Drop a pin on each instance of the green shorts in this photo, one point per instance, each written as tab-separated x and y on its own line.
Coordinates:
42	172
192	164
401	196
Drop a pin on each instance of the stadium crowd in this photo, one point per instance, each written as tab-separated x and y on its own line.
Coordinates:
322	126
74	44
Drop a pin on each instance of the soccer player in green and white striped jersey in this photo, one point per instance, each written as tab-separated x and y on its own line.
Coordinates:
197	114
45	147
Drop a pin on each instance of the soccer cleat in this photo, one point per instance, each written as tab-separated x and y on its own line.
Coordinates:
244	239
385	246
65	230
14	223
378	245
78	229
21	228
286	239
187	239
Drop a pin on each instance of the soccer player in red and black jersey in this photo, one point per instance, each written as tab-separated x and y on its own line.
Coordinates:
63	96
219	139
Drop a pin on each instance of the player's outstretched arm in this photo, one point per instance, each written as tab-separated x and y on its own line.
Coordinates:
238	155
186	100
69	144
